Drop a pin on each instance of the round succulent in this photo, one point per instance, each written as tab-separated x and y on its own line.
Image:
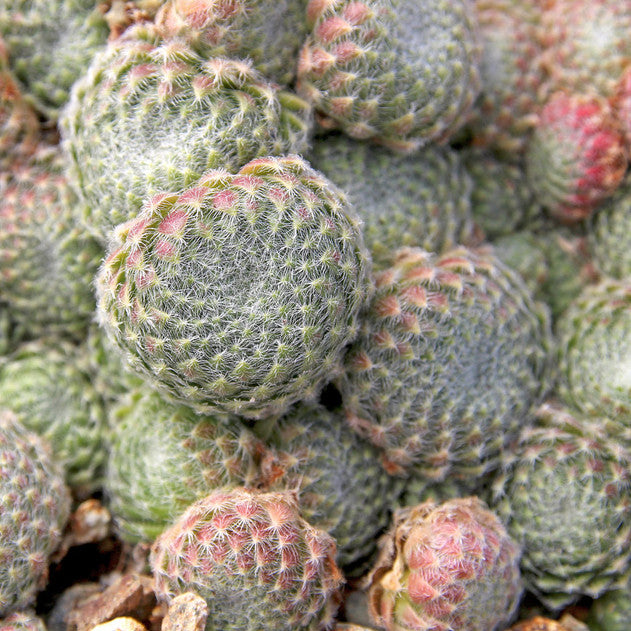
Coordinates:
586	43
267	32
341	486
50	45
512	76
152	115
43	384
576	157
451	358
239	294
22	621
400	71
258	564
421	200
163	457
418	489
594	349
611	612
501	199
564	496
34	508
609	234
446	567
47	261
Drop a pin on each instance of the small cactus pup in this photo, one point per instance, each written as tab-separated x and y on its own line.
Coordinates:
586	44
564	496
163	457
594	350
398	71
47	260
51	395
576	157
611	612
421	200
341	486
501	199
447	566
239	294
153	115
50	45
22	621
267	32
512	76
258	564
34	509
451	358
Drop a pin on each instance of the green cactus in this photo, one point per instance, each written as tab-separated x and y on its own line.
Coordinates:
451	358
258	564
164	457
340	484
399	71
34	508
564	496
446	567
152	115
240	294
421	200
611	612
50	45
43	384
267	32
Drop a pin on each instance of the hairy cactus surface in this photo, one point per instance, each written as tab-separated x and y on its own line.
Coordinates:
586	43
267	32
512	75
564	496
239	294
22	621
421	200
152	115
446	567
50	45
451	358
42	383
611	612
47	261
403	72
576	157
34	508
163	457
341	486
501	199
594	348
258	564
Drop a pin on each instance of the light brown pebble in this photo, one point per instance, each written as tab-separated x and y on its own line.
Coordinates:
187	612
120	624
567	623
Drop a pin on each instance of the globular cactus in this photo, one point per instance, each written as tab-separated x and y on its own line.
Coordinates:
34	508
152	115
50	45
446	567
564	496
421	200
450	360
340	484
267	32
51	395
398	71
163	457
22	621
586	44
594	344
240	294
512	75
501	199
47	261
258	564
576	157
611	612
